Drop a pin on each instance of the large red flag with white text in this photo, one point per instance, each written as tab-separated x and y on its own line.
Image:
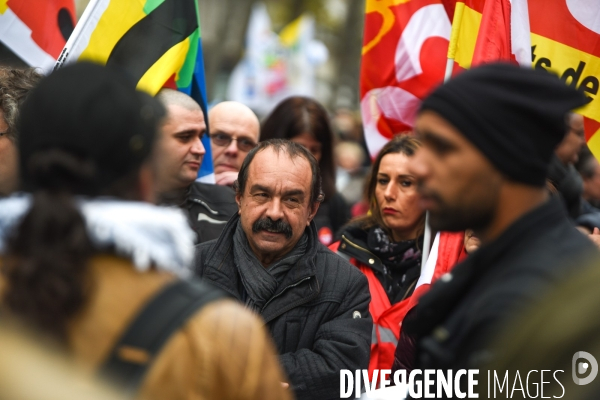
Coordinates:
565	40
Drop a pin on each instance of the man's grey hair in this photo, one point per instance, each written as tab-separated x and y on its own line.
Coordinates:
15	85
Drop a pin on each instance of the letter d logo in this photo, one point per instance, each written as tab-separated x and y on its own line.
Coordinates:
581	367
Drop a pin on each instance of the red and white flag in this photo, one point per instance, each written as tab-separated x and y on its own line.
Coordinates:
485	31
504	33
36	30
403	59
448	250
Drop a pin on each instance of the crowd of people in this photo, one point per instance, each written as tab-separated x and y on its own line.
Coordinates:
306	257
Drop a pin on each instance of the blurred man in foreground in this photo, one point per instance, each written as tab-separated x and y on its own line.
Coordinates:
88	263
489	135
15	84
234	131
179	153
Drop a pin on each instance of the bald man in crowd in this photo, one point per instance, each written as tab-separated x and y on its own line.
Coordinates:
234	131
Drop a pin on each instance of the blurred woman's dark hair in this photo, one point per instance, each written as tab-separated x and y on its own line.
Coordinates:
297	115
84	131
402	144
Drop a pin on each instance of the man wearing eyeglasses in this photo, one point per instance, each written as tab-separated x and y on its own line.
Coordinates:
234	131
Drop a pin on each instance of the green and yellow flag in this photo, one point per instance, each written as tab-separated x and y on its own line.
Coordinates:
156	41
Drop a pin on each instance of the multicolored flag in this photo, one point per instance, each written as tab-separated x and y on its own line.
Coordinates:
565	39
156	41
36	30
403	59
276	66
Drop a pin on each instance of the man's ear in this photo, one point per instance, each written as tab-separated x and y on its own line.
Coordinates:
313	212
146	183
238	200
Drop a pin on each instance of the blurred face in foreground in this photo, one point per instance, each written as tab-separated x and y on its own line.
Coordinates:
458	185
179	150
275	207
397	197
8	160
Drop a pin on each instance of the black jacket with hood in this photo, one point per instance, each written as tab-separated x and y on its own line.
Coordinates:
319	316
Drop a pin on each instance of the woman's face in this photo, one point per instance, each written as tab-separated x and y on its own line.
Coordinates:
397	197
313	145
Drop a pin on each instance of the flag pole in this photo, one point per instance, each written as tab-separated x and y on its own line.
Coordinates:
75	35
427	233
456	23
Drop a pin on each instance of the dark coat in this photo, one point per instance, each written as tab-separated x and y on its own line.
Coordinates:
319	317
332	214
209	207
459	317
569	184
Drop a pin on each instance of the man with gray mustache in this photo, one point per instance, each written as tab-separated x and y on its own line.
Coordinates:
315	304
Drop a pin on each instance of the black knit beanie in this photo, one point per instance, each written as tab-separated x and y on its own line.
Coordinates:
515	116
93	112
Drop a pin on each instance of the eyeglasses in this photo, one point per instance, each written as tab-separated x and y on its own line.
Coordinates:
224	140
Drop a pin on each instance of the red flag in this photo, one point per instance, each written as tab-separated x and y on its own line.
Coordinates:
36	31
494	39
491	31
404	56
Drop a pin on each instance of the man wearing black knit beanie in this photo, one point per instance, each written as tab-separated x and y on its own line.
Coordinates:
488	138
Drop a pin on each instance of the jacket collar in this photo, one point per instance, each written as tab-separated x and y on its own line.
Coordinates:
443	296
148	235
523	230
354	244
220	268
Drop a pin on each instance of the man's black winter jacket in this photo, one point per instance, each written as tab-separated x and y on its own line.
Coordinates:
319	316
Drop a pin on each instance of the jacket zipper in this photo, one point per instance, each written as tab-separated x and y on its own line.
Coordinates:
367	251
205	205
360	248
280	293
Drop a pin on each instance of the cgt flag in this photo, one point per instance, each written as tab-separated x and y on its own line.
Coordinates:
156	41
565	40
36	30
403	57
